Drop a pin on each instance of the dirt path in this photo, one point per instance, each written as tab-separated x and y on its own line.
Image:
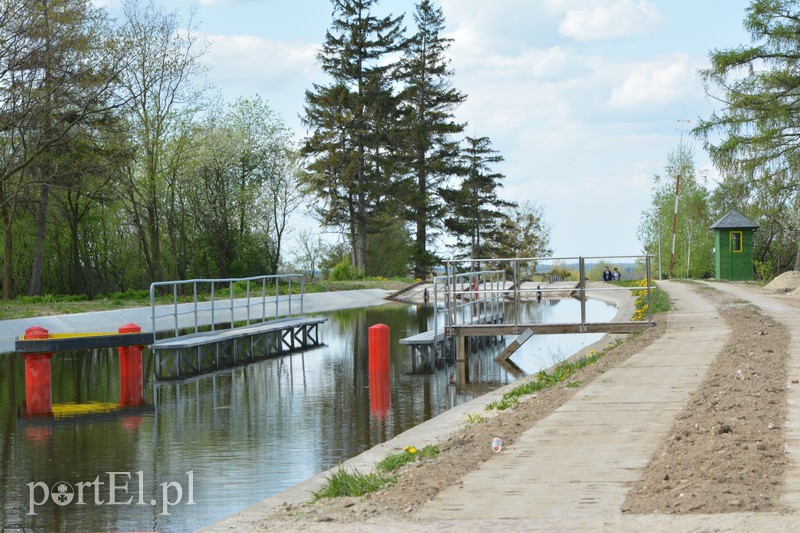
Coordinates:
725	451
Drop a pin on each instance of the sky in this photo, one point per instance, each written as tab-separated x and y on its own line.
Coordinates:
583	98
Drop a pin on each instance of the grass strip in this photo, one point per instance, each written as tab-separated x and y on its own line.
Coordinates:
545	379
410	454
349	483
353	483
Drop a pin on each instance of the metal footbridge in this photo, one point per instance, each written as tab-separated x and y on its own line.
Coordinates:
247	319
470	302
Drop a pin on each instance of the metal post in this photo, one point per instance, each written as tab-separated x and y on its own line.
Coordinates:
248	302
435	310
516	298
232	317
213	321
153	307
263	299
194	296
277	294
290	296
452	282
582	271
503	300
175	305
302	291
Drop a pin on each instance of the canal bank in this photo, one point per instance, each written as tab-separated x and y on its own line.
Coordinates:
98	321
244	433
434	431
571	470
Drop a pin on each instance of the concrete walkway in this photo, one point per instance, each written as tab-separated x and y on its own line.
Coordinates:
571	471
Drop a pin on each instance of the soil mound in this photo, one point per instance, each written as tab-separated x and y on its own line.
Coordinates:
785	282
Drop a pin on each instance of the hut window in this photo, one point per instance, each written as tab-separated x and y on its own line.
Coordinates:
736	241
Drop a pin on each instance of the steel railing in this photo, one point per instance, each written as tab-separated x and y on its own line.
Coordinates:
252	308
479	292
455	288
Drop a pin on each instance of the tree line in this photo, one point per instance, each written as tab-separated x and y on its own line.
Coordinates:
753	141
385	150
120	166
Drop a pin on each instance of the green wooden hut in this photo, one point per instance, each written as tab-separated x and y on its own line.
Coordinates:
733	246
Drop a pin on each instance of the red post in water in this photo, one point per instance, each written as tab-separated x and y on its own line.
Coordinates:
38	395
131	384
378	348
380	389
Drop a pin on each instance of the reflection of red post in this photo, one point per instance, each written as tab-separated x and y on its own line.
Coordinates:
380	394
131	384
380	390
38	398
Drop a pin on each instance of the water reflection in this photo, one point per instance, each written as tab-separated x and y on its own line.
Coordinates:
543	351
233	437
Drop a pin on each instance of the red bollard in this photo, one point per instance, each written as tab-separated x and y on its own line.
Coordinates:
378	348
380	388
131	383
38	395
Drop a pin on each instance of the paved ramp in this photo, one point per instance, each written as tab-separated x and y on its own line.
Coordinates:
578	462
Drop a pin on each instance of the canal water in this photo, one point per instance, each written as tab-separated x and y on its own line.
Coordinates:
207	447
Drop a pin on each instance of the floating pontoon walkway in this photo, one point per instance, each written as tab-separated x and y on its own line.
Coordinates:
200	353
248	333
480	302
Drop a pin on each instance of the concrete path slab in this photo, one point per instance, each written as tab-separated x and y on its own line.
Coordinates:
577	463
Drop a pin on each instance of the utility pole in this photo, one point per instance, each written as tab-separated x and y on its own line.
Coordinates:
658	216
677	192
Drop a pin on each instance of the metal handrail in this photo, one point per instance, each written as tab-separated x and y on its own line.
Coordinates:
451	290
232	304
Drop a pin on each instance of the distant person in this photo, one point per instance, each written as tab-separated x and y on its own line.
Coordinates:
607	275
616	275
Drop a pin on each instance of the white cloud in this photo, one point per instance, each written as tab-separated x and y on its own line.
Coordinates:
609	20
248	60
659	82
530	63
107	4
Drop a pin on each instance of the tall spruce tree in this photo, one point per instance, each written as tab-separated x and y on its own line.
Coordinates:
429	148
476	212
345	148
759	86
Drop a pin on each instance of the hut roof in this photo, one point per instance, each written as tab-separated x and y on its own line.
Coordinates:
734	220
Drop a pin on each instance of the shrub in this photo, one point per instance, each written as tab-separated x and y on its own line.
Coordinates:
343	271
